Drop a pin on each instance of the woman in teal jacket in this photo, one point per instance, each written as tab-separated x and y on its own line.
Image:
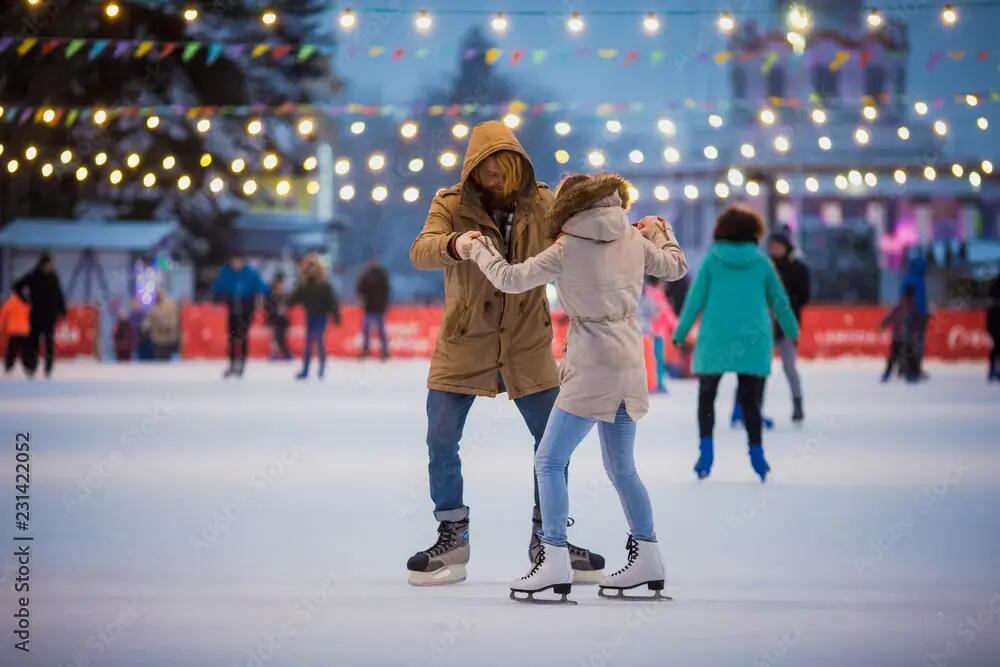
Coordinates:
735	293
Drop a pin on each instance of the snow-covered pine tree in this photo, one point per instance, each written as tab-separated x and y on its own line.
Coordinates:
234	78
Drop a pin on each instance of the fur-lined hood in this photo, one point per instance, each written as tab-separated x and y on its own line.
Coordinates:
592	206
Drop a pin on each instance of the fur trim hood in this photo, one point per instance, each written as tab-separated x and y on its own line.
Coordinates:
591	206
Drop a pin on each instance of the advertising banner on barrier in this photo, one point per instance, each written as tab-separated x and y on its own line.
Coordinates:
828	331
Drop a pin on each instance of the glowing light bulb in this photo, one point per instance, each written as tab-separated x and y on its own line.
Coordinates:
116	177
270	161
982	123
986	166
112	10
971	100
562	156
66	156
824	143
216	185
203	125
379	193
575	24
812	184
721	190
563	128
726	23
840	181
903	132
767	116
781	143
957	170
899	176
30	153
855	178
283	188
448	159
49	116
940	128
613	126
748	151
949	15
661	193
595	158
411	194
342	166
798	19
666	126
635	156
348	19
711	152
346	192
358	127
920	107
691	191
169	162
310	163
861	136
975	180
101	159
460	130
498	24
149	180
376	161
753	188
238	165
48	170
269	18
184	182
153	122
416	164
100	117
735	177
408	130
869	112
782	186
255	127
715	120
190	15
249	187
818	116
651	23
12	166
871	180
930	173
512	120
312	188
306	127
671	155
205	160
423	21
874	19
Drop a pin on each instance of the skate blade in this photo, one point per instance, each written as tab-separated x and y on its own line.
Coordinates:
452	574
587	577
619	593
531	599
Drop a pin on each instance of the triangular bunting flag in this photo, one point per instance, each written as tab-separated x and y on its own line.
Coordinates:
422	52
655	57
214	51
190	49
493	55
769	62
398	53
515	56
144	48
630	57
306	51
259	50
722	57
26	45
71	117
279	52
74	46
607	53
839	60
167	49
122	46
538	55
933	60
5	43
956	55
51	45
96	48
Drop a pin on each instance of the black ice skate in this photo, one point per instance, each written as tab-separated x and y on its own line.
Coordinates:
443	563
588	566
644	568
551	571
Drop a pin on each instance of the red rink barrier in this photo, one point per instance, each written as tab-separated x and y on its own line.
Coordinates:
828	331
76	334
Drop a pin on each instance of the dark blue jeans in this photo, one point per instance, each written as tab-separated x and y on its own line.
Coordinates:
315	328
378	321
446	413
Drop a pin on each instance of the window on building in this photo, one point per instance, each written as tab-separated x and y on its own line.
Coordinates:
776	82
825	82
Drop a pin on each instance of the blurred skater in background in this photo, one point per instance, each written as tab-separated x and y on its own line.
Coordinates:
373	293
658	323
239	286
276	309
735	293
907	328
993	327
43	292
315	294
15	328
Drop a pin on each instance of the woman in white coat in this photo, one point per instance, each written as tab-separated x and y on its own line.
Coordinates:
598	261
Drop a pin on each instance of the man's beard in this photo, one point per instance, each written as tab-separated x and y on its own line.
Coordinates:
495	199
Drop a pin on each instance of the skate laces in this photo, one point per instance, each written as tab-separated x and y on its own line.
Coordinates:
633	554
539	559
446	539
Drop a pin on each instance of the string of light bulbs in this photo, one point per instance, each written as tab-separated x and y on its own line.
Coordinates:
798	16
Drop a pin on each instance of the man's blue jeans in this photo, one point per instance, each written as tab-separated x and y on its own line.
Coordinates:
563	433
376	320
446	413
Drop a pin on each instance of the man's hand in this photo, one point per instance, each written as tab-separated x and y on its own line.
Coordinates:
647	226
463	244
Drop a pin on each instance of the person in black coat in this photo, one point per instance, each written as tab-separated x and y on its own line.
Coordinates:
993	327
315	294
42	290
373	292
276	309
794	276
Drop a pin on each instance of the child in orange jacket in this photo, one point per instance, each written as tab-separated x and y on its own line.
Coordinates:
15	325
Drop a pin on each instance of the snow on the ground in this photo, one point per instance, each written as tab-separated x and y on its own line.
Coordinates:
183	520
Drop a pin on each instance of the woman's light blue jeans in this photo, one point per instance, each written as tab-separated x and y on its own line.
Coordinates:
563	432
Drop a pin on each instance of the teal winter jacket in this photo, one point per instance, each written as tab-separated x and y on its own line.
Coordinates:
735	293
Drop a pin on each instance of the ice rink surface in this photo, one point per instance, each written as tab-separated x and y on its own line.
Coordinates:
183	520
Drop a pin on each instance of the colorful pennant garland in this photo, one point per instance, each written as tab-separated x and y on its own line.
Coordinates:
93	48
